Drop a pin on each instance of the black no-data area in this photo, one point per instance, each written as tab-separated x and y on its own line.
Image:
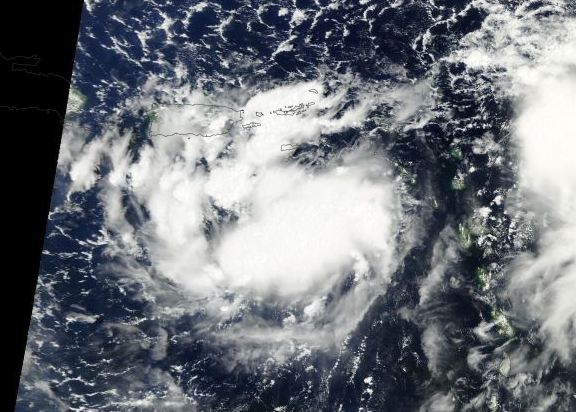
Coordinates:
37	46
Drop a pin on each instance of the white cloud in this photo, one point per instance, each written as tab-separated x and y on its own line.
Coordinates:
435	347
439	402
296	228
445	254
292	232
529	52
305	228
83	172
73	139
546	129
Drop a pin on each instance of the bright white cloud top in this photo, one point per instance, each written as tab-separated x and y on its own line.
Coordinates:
306	228
546	133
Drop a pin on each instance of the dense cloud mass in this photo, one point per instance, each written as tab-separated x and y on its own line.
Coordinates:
303	230
226	213
546	132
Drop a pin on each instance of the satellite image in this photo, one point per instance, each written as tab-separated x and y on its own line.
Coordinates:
312	205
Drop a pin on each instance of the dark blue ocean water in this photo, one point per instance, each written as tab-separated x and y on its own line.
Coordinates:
99	365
